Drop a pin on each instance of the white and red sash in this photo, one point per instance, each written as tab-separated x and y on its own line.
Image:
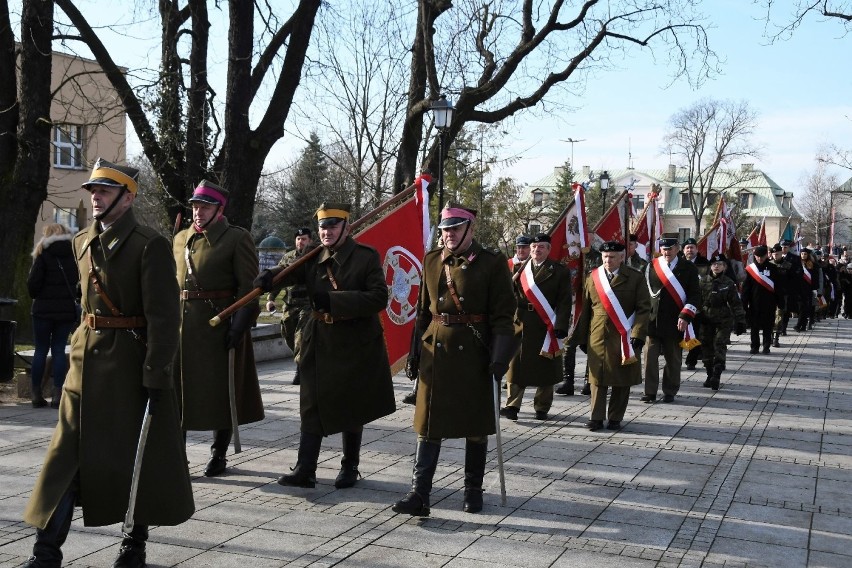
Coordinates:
806	275
513	262
616	314
760	277
678	294
552	344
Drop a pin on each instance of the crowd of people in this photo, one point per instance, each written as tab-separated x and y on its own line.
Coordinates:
146	366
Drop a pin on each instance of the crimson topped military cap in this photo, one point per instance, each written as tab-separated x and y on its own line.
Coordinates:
113	175
454	215
611	246
209	192
302	232
541	238
668	240
330	214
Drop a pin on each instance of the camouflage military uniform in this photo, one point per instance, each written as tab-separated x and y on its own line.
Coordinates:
720	309
296	309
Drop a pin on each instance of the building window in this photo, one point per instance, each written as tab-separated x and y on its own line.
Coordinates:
684	233
68	146
685	200
535	229
639	202
66	217
787	202
538	198
746	199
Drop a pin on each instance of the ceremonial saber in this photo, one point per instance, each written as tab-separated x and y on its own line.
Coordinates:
499	444
232	396
127	527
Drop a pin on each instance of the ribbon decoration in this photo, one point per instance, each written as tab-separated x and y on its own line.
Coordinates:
760	277
616	314
806	274
678	294
552	344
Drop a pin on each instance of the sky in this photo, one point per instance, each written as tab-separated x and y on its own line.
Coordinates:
801	89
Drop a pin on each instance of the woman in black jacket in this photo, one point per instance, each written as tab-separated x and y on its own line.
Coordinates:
52	284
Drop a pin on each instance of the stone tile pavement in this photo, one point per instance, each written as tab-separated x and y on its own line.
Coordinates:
757	474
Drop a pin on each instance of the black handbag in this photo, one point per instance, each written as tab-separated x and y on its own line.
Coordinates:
78	309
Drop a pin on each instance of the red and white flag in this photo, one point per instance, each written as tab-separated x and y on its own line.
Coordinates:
648	229
566	248
400	239
611	226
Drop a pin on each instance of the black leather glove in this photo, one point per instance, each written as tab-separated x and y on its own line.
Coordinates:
560	333
740	328
241	322
583	347
412	366
264	280
503	349
637	344
321	301
154	398
498	370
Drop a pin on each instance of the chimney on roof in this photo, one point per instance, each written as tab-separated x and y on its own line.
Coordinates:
587	171
745	168
558	170
670	174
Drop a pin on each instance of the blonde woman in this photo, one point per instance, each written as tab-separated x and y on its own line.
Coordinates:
52	284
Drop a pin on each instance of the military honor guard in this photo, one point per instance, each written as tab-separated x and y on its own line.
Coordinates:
216	264
809	287
673	284
611	330
760	299
123	352
721	312
784	278
464	318
690	253
297	308
543	292
346	379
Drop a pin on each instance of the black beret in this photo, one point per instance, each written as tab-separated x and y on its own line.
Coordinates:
612	246
690	241
541	238
718	257
303	231
761	250
776	248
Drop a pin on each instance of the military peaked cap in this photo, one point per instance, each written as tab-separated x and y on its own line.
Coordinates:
113	175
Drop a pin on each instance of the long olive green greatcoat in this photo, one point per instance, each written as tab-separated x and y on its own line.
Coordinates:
104	396
455	397
224	258
345	375
529	368
598	331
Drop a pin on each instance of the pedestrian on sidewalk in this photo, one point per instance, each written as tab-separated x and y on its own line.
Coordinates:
123	352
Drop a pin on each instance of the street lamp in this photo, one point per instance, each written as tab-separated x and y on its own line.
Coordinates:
442	112
603	179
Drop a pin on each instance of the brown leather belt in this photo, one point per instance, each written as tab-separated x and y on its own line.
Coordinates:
120	322
328	318
449	319
205	294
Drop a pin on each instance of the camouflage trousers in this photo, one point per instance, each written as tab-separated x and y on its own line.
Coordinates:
714	343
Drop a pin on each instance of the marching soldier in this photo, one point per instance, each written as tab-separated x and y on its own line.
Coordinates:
784	272
690	253
543	292
346	378
464	318
611	329
809	289
216	264
296	309
123	352
673	284
591	261
721	310
759	299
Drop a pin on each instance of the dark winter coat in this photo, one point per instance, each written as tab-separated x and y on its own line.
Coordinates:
53	278
455	396
530	368
758	302
345	375
104	396
224	259
664	310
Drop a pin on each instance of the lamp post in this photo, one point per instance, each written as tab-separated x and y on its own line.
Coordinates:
442	112
603	179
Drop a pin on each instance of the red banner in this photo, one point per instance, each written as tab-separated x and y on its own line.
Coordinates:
399	239
565	247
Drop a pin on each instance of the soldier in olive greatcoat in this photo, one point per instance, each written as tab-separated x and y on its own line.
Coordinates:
543	318
216	264
464	319
297	308
720	311
346	379
121	362
613	343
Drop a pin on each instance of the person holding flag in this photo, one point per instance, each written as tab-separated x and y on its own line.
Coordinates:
760	299
673	285
465	321
543	292
346	379
611	330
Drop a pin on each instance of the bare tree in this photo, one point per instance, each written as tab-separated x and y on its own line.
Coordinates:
707	138
817	203
792	15
24	137
501	58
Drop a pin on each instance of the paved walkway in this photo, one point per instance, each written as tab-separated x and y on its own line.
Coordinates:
757	474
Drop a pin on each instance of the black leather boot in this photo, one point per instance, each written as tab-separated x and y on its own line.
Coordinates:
474	471
349	473
47	550
775	342
216	464
416	503
411	398
305	472
132	551
297	379
587	388
568	362
709	380
716	378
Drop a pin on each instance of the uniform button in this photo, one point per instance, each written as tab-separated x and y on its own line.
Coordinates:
438	344
464	267
148	367
461	347
461	298
97	311
98	332
441	299
95	351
